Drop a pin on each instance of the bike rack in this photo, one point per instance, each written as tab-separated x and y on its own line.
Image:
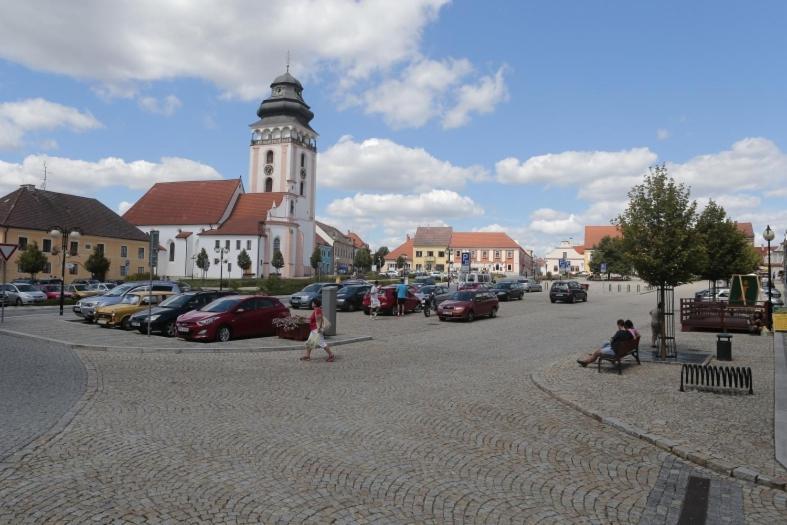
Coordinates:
716	377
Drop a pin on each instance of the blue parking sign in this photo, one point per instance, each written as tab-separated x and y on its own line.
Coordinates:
465	258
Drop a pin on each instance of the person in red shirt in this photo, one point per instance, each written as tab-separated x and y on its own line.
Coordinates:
316	338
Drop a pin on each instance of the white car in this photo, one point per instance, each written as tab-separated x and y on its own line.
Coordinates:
20	294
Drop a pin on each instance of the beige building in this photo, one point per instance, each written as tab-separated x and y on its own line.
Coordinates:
28	215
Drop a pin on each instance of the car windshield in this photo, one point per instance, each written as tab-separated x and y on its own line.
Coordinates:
120	290
427	289
312	288
25	288
79	287
505	285
462	296
562	286
131	299
220	305
176	301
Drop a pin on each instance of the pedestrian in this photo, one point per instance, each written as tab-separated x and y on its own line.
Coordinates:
374	300
655	323
401	297
316	338
608	348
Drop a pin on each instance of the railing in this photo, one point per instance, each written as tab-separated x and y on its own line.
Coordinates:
715	314
716	377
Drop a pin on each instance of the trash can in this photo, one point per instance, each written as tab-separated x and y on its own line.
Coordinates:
724	347
329	308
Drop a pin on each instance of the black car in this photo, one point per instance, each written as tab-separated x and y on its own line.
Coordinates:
350	298
568	291
508	290
163	316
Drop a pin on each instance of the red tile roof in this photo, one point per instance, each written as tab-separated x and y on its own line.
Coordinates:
482	240
319	240
188	202
579	249
594	234
183	235
746	229
250	209
356	240
432	235
405	249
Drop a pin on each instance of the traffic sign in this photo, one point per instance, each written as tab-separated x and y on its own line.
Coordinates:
7	250
465	262
153	249
603	268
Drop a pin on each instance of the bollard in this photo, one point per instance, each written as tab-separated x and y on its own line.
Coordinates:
637	288
628	288
618	287
329	308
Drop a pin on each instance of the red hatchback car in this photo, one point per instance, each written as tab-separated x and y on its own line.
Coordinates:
388	300
232	317
467	305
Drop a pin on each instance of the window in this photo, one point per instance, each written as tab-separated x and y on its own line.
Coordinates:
419	253
303	160
140	254
72	269
123	250
218	244
123	270
565	255
554	268
276	245
227	245
441	254
248	245
509	267
269	184
100	249
497	254
301	188
510	254
22	242
292	207
46	245
237	244
430	254
472	254
140	270
484	255
48	267
269	157
172	251
229	267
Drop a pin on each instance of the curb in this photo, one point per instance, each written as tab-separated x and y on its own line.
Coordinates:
698	457
190	350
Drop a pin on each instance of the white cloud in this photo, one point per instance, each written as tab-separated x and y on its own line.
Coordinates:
572	168
239	49
562	226
383	165
123	207
70	175
35	114
732	204
662	134
480	98
167	106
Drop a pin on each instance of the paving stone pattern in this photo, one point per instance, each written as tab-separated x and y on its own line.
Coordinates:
428	423
38	384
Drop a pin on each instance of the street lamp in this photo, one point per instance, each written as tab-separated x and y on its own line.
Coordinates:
768	235
221	252
64	234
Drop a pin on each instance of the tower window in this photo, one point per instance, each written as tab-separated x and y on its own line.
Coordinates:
269	157
269	184
276	245
301	188
303	160
292	207
171	251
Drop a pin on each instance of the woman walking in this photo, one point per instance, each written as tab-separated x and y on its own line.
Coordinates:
316	338
374	300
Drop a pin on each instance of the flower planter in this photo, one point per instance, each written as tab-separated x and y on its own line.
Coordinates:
299	333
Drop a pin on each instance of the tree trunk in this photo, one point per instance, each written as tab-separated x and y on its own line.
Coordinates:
662	324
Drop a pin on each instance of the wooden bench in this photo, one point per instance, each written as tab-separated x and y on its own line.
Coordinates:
622	349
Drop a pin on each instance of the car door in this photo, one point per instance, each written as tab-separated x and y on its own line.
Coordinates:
243	318
482	303
263	316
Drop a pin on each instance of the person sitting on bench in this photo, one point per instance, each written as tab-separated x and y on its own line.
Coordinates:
630	327
608	348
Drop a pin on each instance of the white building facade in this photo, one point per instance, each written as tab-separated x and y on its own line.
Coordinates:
566	251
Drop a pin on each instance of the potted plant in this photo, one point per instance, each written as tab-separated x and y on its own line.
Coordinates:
292	327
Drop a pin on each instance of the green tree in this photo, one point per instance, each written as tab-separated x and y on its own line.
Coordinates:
244	262
97	264
610	250
32	260
400	261
316	259
203	262
379	257
726	250
362	260
659	235
277	261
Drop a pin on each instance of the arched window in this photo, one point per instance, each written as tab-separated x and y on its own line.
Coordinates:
269	157
301	188
172	251
276	245
303	160
269	184
292	207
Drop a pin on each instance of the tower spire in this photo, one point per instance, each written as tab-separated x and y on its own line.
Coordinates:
288	61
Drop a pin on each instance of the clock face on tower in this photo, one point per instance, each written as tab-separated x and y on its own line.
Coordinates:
278	91
268	169
303	173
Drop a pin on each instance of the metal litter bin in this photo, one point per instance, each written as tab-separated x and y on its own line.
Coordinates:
724	347
329	308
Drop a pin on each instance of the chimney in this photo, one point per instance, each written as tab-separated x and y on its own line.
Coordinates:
408	236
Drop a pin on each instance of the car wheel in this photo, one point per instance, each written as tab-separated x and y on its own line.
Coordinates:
573	299
170	330
442	318
18	302
493	313
367	311
125	323
470	317
552	300
223	334
351	307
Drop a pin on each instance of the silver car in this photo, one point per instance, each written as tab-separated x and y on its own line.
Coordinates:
20	294
87	307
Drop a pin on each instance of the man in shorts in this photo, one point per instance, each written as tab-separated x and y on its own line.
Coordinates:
401	297
607	348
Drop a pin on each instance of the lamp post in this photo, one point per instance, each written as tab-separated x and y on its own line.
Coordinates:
768	235
450	264
221	252
65	234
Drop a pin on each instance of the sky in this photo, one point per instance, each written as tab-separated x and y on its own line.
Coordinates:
529	117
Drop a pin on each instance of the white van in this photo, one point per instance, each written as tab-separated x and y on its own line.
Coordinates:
474	278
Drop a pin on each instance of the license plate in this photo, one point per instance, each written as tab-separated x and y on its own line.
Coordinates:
182	329
102	321
135	324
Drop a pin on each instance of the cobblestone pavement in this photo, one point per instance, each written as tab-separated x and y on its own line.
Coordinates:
428	423
38	384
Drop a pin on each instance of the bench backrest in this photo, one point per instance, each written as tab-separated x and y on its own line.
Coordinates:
624	348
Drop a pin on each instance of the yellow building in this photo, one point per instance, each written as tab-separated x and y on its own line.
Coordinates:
430	248
28	215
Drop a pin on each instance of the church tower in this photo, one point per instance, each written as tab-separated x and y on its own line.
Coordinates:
283	148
